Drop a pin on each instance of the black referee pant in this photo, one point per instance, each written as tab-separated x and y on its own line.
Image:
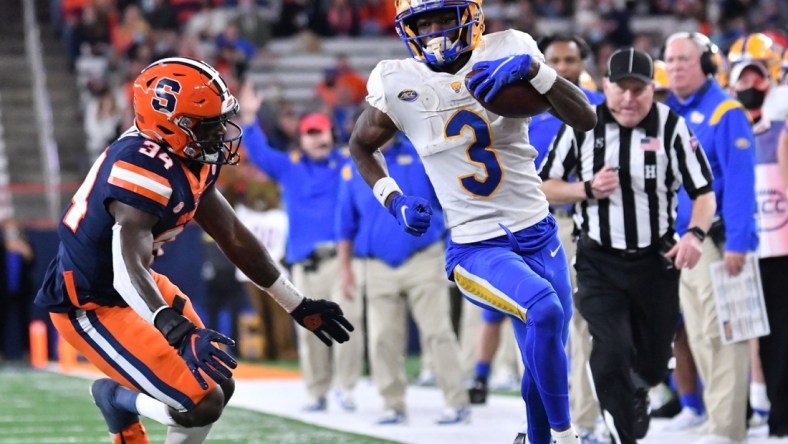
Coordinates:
774	347
631	303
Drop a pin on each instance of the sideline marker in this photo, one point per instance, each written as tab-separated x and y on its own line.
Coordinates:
39	355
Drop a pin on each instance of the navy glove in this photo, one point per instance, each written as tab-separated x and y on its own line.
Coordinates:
195	346
324	319
413	213
497	73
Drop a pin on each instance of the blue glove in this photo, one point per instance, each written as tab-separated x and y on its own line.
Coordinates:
497	73
195	346
199	352
413	213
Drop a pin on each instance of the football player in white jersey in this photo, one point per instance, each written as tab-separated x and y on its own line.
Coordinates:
504	252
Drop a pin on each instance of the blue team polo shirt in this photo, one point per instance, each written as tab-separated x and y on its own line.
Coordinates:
375	234
309	190
544	127
724	131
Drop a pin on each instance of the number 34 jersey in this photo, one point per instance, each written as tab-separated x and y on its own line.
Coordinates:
480	164
138	172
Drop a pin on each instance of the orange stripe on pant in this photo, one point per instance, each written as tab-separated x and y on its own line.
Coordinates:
123	328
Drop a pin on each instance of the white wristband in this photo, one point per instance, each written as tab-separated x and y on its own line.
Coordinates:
384	187
544	78
284	293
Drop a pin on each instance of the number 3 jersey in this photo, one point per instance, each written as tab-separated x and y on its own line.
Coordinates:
139	173
480	164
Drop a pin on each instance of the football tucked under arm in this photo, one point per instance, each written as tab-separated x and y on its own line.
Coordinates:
517	100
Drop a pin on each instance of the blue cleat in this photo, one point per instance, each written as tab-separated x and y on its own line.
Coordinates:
117	419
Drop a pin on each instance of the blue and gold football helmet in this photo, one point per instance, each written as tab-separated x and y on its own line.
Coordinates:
437	48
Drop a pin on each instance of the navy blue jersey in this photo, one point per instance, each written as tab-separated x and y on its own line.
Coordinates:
138	172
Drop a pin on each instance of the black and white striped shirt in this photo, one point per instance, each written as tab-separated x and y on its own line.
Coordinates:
656	157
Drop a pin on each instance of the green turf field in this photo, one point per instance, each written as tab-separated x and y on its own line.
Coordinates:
48	408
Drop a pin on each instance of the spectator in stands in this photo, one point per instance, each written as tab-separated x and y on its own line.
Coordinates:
132	29
161	15
341	75
255	22
377	17
342	17
93	31
103	119
234	52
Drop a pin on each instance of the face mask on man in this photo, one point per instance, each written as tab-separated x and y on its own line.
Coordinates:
751	98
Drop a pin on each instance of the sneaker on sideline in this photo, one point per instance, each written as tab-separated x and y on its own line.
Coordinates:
426	378
452	415
687	419
345	400
392	417
478	392
316	405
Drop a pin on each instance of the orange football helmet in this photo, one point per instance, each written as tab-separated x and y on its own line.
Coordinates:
184	105
757	49
440	50
660	76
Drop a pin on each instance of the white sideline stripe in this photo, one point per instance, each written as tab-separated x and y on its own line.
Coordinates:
116	357
139	179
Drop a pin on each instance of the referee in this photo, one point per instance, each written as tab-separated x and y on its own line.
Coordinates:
629	168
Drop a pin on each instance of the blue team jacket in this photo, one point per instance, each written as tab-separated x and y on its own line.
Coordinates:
374	232
724	131
309	190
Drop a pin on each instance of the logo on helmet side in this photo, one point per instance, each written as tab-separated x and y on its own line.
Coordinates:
165	99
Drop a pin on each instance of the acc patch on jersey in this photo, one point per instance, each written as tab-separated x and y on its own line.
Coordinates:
742	143
407	95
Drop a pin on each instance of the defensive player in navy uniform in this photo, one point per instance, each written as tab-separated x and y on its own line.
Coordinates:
504	252
129	321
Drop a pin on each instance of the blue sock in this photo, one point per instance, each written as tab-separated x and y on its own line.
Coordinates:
540	340
693	401
126	399
482	370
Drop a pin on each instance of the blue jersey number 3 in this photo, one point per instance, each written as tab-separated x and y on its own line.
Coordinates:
480	152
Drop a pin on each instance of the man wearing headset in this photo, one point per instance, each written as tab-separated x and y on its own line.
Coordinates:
722	128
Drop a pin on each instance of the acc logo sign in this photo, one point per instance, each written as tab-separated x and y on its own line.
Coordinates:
407	95
773	209
456	86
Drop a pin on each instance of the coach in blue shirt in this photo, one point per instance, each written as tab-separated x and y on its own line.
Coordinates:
310	180
723	131
392	263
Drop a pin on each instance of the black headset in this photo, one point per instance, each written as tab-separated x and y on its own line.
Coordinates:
546	41
708	48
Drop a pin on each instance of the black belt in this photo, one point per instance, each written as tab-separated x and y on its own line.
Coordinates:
630	253
317	256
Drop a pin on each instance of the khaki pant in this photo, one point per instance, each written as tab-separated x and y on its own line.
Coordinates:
315	357
583	405
724	369
470	323
420	283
